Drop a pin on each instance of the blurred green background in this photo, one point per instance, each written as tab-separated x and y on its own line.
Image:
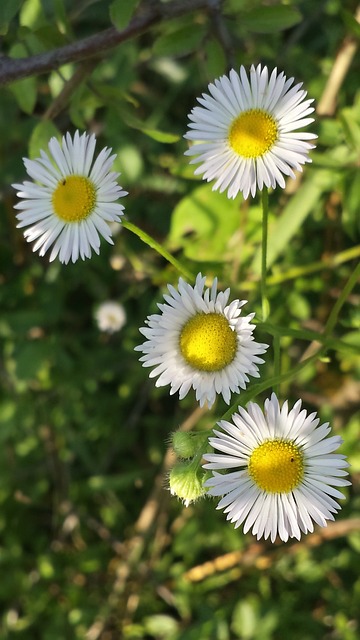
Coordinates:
91	543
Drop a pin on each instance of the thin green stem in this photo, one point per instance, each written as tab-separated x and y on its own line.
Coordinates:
276	347
328	262
269	383
248	395
309	336
158	247
258	388
264	241
335	311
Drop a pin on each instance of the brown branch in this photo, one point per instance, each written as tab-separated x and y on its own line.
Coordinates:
262	556
12	69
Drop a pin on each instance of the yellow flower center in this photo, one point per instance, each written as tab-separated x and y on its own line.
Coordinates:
253	133
207	342
276	466
74	198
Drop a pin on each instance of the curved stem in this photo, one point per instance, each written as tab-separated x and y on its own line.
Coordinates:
334	314
321	351
326	263
269	383
159	248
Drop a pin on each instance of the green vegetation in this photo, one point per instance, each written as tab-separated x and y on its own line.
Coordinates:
92	545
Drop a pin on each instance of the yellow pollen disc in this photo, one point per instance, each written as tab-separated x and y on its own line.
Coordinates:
253	133
74	198
207	342
276	466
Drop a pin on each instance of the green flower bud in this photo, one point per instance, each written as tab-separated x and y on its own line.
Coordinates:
186	482
184	444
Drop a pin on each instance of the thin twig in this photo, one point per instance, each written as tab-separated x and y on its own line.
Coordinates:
62	100
12	69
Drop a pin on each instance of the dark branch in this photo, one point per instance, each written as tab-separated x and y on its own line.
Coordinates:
16	68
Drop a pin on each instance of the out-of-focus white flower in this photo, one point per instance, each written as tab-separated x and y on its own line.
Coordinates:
110	316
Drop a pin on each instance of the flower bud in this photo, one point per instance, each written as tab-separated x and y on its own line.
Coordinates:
184	444
186	482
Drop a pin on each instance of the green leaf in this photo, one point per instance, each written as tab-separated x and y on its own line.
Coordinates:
40	138
121	12
339	157
32	14
246	618
351	123
203	224
353	338
25	91
351	23
161	626
8	10
215	59
31	359
112	95
180	41
117	97
351	203
155	134
294	214
160	136
270	19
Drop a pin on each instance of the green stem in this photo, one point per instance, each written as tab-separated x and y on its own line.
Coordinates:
328	262
158	247
335	311
276	347
248	395
265	214
269	383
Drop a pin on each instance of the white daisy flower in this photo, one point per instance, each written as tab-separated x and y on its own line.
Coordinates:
72	199
286	471
110	316
200	341
249	131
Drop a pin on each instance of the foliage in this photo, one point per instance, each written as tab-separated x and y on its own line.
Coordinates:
92	546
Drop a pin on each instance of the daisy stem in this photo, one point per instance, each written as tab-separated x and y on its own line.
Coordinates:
269	383
277	361
278	377
158	247
264	241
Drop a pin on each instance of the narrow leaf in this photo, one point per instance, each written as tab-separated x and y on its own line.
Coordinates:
8	10
121	12
180	41
270	19
351	23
